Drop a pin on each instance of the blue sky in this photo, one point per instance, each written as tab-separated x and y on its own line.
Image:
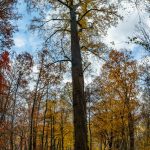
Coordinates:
25	40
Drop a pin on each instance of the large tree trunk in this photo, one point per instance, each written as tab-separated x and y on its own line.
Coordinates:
79	103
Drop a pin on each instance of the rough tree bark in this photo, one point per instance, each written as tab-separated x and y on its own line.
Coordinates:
79	103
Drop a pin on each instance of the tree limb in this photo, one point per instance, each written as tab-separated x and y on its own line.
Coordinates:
57	61
63	3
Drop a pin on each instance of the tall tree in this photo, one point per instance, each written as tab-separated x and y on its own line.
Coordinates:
143	39
145	76
123	74
4	90
85	21
22	69
47	77
117	89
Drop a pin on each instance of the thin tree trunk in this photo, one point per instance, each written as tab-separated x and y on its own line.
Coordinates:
123	145
13	113
46	142
35	127
58	145
5	105
34	135
110	143
147	129
44	119
62	130
79	103
130	124
131	130
32	122
54	140
51	135
21	142
52	147
89	114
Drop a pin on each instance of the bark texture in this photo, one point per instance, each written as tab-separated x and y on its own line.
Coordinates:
79	102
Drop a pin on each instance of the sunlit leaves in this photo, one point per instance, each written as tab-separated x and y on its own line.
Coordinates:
117	94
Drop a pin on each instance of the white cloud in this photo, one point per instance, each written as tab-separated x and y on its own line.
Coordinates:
19	42
33	41
144	61
35	69
118	36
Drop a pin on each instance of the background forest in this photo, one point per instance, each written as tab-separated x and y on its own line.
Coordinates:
74	88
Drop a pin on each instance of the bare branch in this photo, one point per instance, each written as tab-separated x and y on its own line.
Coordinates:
57	61
63	3
88	11
86	67
92	52
60	30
